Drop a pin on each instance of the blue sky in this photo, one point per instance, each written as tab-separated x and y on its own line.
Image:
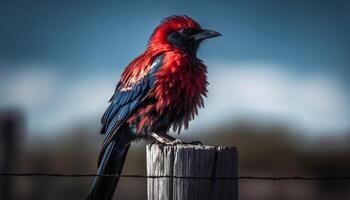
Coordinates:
282	61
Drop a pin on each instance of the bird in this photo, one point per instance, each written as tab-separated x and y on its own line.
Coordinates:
159	91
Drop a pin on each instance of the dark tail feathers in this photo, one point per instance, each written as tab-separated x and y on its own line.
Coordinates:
111	163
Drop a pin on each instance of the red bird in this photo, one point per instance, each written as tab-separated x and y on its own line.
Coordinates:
161	89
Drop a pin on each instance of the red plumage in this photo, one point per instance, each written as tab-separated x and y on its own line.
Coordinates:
179	89
180	83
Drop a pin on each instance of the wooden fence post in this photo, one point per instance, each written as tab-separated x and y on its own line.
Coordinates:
192	161
11	128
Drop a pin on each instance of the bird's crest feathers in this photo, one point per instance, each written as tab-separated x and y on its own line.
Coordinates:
158	39
157	45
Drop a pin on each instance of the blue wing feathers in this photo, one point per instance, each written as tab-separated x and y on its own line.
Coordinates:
123	103
123	112
137	92
133	104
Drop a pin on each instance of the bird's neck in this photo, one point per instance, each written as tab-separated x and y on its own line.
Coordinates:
155	49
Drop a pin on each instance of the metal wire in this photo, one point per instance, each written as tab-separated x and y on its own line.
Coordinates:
269	178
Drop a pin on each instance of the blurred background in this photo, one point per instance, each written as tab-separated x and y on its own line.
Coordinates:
279	91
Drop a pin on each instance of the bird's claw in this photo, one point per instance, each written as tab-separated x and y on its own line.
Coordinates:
177	141
162	139
196	143
154	142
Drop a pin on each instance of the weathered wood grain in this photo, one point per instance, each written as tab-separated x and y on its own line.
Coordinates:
192	161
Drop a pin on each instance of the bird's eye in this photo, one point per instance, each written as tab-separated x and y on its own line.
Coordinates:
185	31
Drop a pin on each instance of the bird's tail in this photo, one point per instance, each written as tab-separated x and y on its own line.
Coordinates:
111	162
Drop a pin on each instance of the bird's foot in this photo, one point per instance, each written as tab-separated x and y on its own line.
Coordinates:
177	141
154	142
168	140
160	139
196	143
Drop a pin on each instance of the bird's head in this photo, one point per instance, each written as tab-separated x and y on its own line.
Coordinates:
180	32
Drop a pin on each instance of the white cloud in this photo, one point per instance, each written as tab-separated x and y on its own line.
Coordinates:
315	103
82	99
29	88
51	101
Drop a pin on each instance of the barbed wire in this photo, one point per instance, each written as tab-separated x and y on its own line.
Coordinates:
271	178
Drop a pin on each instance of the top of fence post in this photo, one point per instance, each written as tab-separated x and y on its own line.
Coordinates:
207	165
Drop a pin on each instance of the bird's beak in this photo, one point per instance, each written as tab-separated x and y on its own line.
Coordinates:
206	34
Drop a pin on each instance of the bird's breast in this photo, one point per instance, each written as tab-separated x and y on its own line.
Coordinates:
179	87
